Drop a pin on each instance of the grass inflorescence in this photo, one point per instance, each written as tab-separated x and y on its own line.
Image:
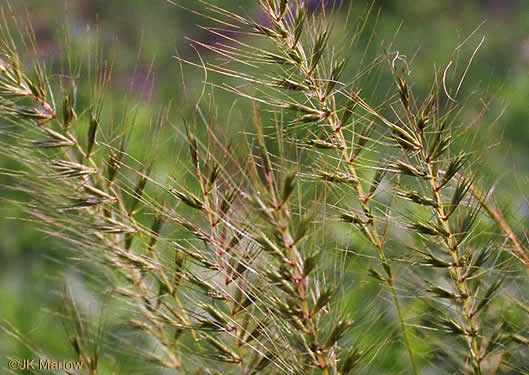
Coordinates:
243	261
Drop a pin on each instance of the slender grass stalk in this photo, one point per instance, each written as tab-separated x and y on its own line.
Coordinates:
453	247
428	159
496	215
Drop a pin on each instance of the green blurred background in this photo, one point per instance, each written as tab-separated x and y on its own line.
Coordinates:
140	38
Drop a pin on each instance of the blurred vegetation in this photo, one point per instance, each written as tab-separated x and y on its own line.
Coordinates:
139	39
